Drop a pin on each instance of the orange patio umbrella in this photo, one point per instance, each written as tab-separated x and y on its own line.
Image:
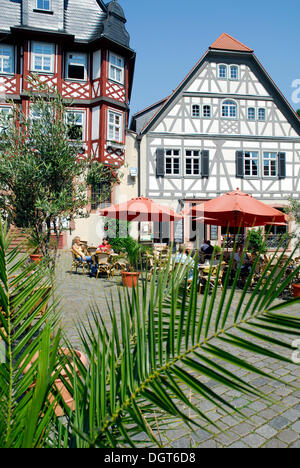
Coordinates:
236	209
139	210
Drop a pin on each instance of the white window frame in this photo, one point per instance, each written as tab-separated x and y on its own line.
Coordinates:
69	57
204	108
230	106
258	114
253	156
11	58
34	55
193	157
43	7
8	110
248	115
270	160
226	69
79	112
194	107
230	72
113	68
114	129
172	156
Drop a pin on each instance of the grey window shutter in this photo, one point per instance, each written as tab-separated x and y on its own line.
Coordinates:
239	163
160	162
281	166
205	163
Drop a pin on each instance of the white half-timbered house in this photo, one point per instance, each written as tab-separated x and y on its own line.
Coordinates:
226	126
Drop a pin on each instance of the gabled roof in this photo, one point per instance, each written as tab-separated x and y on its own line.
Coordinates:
227	42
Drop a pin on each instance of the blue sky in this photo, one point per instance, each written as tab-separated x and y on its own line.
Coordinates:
169	37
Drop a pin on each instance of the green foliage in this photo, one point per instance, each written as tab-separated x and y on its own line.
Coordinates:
293	209
255	241
130	247
117	229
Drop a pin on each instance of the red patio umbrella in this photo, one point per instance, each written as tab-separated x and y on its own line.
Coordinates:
141	209
237	209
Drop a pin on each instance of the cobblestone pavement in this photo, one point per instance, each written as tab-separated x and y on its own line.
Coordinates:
268	425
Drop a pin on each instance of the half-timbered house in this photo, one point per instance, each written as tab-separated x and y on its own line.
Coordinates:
82	48
226	126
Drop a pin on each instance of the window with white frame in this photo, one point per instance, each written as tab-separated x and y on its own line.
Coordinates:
195	110
4	112
234	72
270	164
6	58
43	5
207	111
251	163
251	113
76	66
75	121
261	114
223	71
229	109
42	57
172	162
192	162
115	126
116	68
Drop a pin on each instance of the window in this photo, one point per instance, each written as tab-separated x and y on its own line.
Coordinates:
270	164
172	162
42	57
251	113
234	72
114	127
206	111
261	114
4	111
192	162
6	59
195	110
43	5
75	122
116	68
223	71
251	163
100	193
229	109
76	68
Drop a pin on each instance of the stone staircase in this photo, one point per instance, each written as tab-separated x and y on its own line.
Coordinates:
18	237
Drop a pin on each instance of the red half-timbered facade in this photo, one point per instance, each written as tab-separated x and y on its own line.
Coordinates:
81	48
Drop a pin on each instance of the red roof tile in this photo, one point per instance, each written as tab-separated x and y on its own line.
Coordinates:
226	42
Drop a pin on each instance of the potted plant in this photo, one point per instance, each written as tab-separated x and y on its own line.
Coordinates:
130	277
296	289
34	249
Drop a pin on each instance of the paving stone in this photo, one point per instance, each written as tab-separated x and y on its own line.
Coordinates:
254	440
291	415
266	431
182	443
296	427
240	402
238	444
243	429
279	423
258	406
275	443
288	436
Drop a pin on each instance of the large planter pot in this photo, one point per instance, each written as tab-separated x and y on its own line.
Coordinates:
36	257
130	279
59	383
296	290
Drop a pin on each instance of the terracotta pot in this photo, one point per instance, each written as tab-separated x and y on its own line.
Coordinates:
296	290
130	279
60	386
36	257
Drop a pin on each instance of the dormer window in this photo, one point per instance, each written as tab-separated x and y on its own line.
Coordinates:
116	68
76	66
43	5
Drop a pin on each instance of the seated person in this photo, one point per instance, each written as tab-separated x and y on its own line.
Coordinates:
79	253
242	256
182	257
207	249
105	247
